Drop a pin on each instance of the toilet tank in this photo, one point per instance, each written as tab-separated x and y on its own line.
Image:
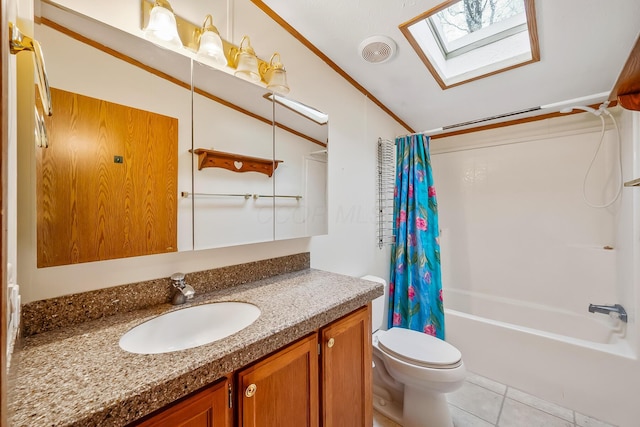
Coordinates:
378	306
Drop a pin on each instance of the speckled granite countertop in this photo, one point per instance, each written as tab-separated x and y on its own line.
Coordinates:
79	376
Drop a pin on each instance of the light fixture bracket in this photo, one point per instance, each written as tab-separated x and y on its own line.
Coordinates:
163	3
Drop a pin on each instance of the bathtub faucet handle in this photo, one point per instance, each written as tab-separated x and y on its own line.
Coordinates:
612	310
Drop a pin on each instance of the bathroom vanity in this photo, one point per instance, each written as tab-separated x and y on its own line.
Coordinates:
329	369
308	356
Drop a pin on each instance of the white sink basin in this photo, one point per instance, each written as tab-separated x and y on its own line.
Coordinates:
189	327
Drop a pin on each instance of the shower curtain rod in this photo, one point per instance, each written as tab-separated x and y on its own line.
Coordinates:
555	105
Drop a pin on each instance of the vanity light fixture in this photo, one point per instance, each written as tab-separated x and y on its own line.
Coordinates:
210	48
276	76
162	28
247	62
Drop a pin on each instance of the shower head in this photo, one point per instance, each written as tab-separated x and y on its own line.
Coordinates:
602	109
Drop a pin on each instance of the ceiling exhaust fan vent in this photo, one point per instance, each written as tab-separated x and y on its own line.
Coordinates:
377	49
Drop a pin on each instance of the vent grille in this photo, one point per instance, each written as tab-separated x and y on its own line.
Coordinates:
377	49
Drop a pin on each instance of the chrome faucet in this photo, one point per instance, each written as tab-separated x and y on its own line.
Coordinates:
616	310
183	292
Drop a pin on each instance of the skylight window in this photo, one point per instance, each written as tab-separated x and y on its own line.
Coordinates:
300	108
463	40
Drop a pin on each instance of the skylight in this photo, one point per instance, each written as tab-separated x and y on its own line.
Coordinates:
300	108
463	40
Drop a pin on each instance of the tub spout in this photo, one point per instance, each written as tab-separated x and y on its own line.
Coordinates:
616	309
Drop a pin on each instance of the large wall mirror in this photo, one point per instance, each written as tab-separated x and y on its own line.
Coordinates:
300	199
232	129
119	140
150	152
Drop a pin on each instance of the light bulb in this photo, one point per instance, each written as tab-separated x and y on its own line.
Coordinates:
210	50
162	28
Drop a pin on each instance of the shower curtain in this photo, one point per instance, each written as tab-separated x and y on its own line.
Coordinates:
415	285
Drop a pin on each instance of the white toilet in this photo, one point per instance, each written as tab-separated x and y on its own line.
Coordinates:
412	372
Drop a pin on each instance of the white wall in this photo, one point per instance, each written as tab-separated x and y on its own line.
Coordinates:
351	246
355	125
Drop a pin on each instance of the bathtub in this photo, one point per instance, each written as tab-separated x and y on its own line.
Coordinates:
556	355
588	329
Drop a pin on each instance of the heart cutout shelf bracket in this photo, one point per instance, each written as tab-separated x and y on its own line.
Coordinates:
235	162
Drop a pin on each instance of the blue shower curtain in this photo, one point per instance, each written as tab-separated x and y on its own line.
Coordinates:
415	285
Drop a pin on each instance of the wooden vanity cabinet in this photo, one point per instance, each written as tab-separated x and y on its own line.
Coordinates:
346	371
324	379
281	390
209	407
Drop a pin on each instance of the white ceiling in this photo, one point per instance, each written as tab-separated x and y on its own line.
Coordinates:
583	46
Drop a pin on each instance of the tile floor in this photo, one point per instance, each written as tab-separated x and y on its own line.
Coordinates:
482	402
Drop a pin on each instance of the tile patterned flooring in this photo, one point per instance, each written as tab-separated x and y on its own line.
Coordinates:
482	402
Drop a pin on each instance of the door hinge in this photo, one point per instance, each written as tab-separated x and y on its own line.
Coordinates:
319	347
230	395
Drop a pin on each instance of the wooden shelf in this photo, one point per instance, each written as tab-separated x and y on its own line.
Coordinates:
234	162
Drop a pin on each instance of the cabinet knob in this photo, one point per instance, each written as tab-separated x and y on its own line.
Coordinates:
331	342
251	390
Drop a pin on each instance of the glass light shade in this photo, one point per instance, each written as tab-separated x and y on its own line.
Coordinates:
162	28
41	138
247	67
276	79
210	50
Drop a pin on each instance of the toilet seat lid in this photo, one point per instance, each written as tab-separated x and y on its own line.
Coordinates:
419	349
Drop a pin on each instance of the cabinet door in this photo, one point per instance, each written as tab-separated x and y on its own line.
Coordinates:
207	408
281	390
346	371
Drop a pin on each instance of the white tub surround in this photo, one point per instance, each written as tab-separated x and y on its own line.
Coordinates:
524	256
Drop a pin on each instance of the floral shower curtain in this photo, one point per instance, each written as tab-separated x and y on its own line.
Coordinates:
415	288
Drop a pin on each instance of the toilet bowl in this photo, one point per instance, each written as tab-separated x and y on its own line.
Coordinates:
412	373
